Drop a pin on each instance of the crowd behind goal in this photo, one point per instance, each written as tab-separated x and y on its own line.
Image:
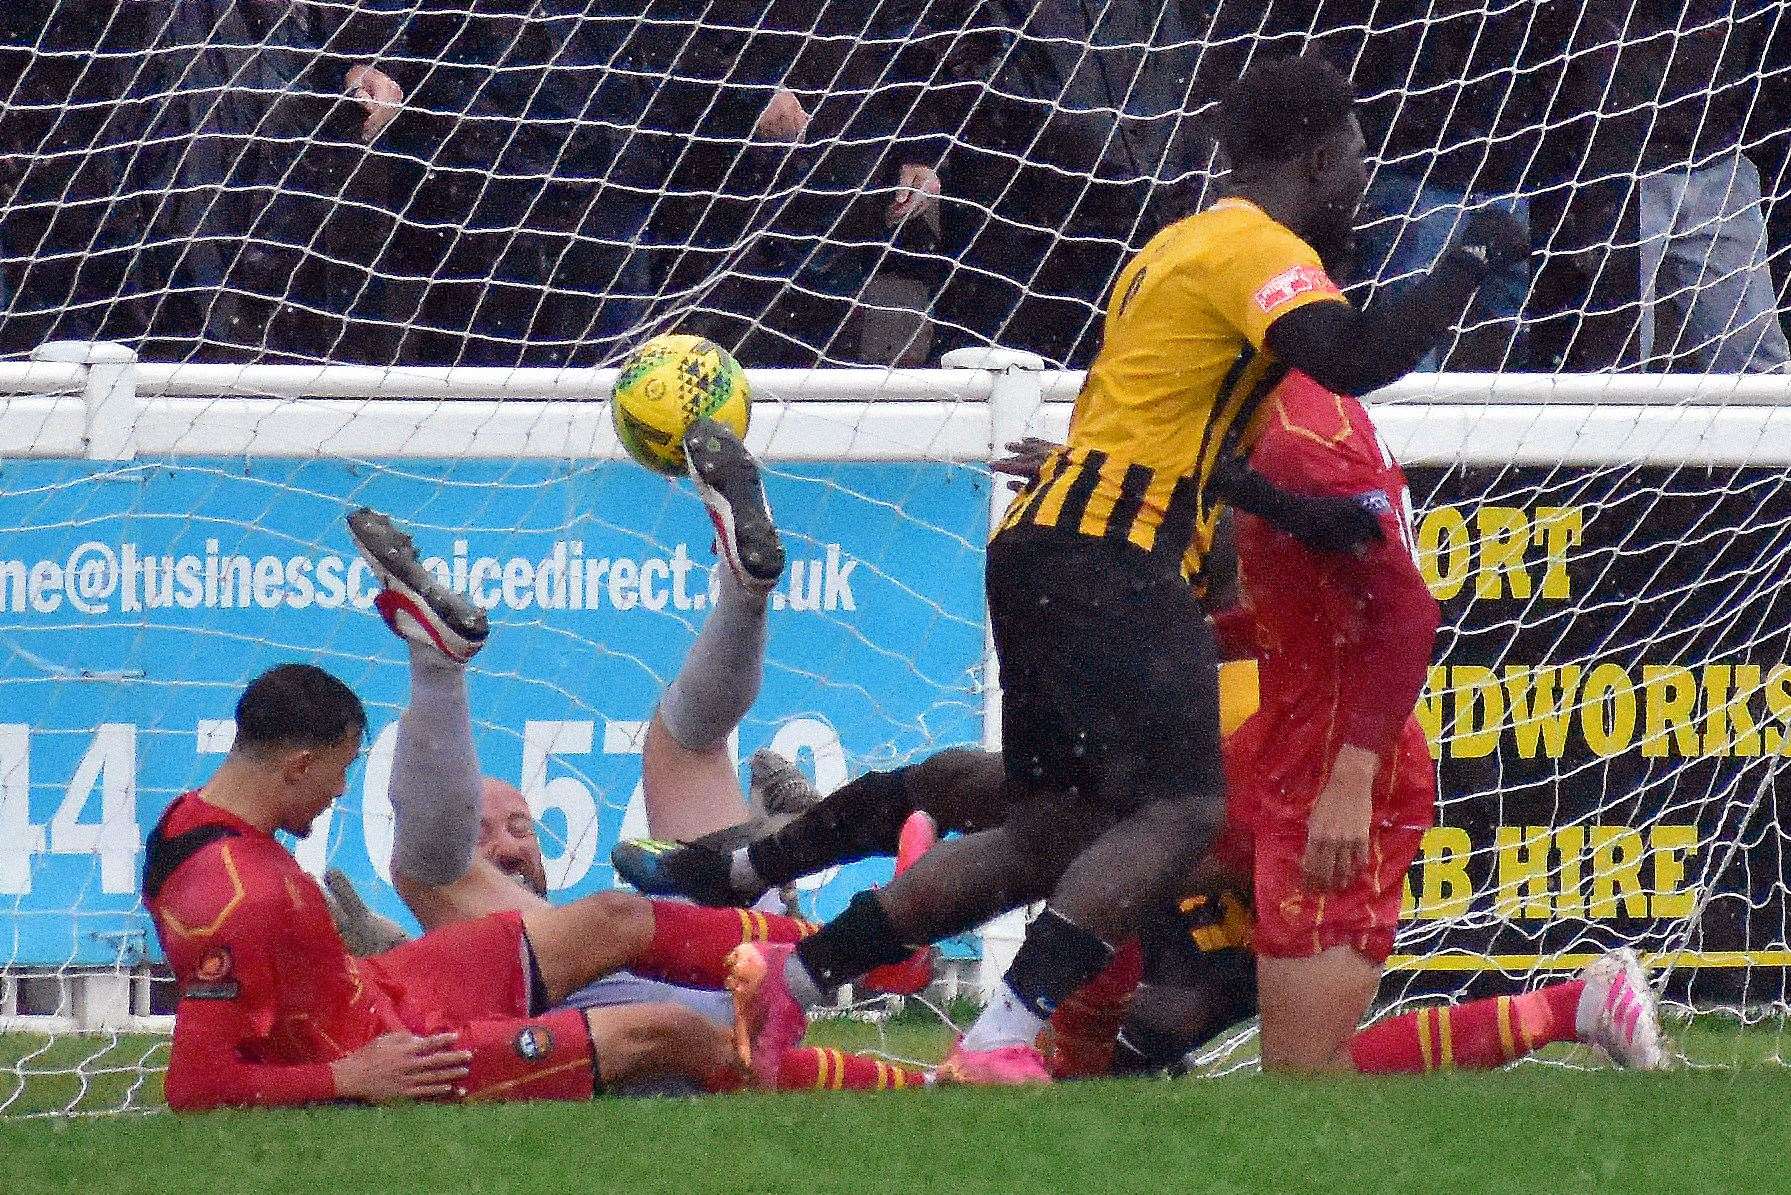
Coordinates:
446	183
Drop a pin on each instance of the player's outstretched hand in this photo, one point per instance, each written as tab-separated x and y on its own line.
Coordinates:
1493	238
1027	459
402	1066
1337	843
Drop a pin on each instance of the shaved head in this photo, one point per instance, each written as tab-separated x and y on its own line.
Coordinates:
507	835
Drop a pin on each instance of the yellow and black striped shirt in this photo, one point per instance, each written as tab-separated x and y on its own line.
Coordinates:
1179	379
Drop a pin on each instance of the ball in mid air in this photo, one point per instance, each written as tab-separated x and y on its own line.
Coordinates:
667	384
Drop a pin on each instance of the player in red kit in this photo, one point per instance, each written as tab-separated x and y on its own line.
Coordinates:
274	1011
1332	782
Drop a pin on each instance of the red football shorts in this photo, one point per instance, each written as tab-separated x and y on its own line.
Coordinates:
1293	921
1269	799
473	978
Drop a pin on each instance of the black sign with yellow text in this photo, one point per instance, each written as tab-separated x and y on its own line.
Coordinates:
1610	705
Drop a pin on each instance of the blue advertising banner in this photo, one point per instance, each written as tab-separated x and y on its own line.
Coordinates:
136	600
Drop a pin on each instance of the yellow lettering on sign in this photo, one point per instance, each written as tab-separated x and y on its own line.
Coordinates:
1778	709
1617	873
1445	551
1523	873
1558	528
1443	860
1570	847
1541	707
1504	534
1608	710
1430	709
1672	845
1729	726
1479	712
1671	702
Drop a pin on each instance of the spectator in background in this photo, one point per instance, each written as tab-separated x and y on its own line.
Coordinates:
1453	96
804	195
519	241
1671	215
1075	145
183	189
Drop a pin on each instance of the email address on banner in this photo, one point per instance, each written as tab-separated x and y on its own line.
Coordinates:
103	578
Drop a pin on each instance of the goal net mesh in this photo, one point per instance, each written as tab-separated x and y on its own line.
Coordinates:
411	183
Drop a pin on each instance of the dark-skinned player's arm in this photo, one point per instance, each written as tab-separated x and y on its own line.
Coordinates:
1354	352
1386	620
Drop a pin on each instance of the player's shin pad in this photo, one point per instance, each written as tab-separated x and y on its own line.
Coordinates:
852	943
1057	957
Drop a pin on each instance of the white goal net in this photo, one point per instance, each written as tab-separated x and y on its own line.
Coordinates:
382	252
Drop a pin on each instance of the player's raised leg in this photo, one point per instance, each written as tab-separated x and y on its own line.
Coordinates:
691	786
436	789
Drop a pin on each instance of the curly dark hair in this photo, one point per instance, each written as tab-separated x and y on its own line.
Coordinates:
1281	107
296	705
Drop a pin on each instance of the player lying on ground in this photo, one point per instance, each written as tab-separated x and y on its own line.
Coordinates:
451	865
1330	780
1109	696
273	1009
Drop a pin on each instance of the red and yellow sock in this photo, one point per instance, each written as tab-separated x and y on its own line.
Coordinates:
1478	1035
809	1068
691	943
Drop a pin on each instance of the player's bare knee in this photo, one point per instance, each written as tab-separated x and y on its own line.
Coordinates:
621	920
962	787
1192	820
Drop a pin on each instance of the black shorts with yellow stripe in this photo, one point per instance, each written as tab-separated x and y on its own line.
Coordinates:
1198	947
1108	671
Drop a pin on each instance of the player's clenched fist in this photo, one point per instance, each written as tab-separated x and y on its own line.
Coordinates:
1492	239
402	1066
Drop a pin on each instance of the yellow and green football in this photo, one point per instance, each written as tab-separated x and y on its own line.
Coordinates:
666	385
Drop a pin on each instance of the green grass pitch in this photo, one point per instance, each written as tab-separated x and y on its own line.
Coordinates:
1538	1128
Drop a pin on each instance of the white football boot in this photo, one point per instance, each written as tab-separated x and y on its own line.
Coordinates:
1619	1013
419	609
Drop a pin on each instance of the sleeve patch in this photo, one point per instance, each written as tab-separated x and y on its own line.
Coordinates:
1291	284
210	991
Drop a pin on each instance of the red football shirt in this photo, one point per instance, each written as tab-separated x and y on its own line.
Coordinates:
269	996
1343	642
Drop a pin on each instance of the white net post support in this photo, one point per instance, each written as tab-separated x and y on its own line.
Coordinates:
1016	399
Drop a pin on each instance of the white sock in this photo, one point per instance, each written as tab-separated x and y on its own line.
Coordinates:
1005	1022
743	876
802	985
